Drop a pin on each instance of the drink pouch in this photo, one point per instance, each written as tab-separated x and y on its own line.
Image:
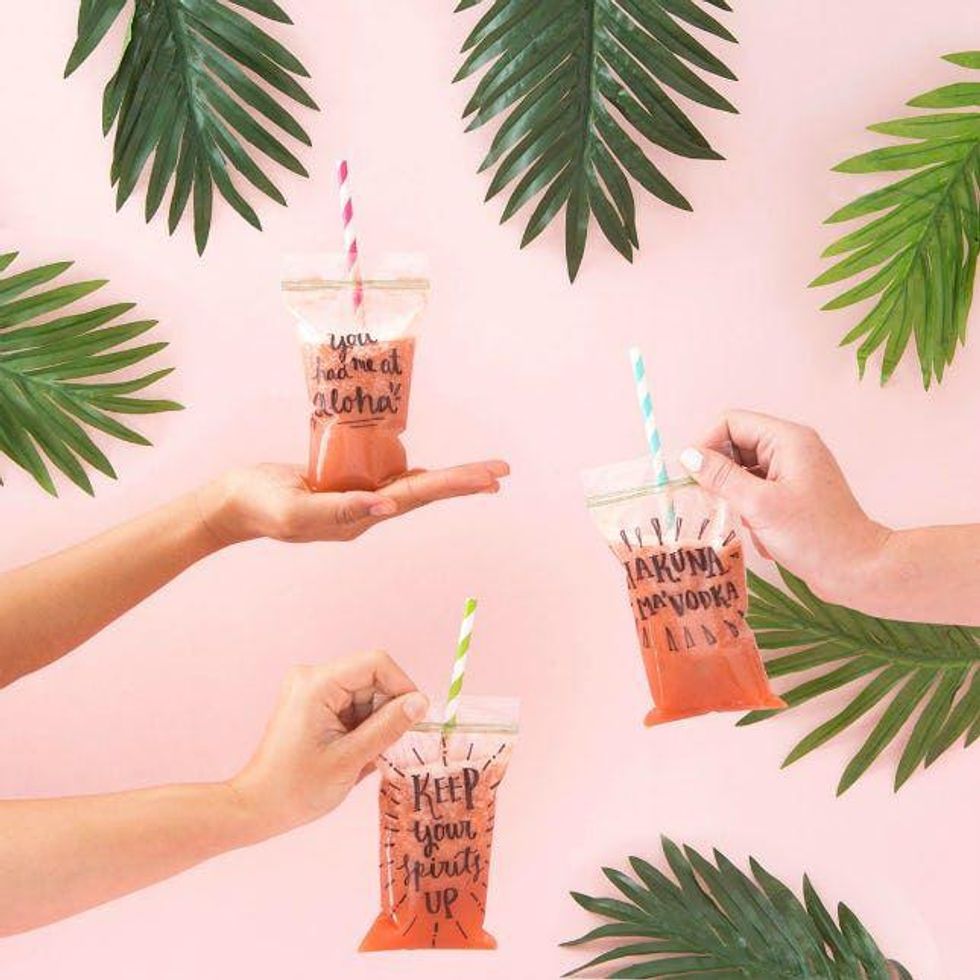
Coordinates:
437	806
358	367
685	574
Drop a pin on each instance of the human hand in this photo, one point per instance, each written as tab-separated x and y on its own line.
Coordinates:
793	497
275	501
323	737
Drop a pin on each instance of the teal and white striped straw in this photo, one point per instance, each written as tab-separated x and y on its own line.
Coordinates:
649	421
459	664
660	474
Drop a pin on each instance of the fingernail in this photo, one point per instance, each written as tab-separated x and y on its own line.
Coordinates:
383	509
499	468
415	706
692	460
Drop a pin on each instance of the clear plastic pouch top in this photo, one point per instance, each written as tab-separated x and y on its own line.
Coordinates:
484	732
476	713
319	293
627	502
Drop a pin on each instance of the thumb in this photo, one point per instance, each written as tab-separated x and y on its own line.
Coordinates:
380	730
722	475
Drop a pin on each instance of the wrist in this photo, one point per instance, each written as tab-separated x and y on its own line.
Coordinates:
183	524
861	571
250	822
220	513
265	805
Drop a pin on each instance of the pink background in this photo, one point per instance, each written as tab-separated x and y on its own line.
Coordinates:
514	362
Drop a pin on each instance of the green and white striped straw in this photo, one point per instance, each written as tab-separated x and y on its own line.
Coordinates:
459	664
652	432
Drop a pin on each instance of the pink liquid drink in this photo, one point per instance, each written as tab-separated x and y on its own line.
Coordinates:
359	387
358	367
689	605
437	805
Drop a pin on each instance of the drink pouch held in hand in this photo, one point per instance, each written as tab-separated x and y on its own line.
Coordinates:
358	345
685	573
437	806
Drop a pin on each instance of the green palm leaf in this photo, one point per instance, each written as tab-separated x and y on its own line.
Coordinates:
48	400
575	79
197	87
713	920
920	249
907	670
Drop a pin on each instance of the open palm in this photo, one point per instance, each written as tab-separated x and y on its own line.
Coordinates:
274	500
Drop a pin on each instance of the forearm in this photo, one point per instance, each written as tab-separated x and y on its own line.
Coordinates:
929	574
61	856
51	606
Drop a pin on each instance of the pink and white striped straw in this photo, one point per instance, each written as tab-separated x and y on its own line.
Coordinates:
351	257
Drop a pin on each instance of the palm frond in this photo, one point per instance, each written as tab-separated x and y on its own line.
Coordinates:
929	672
920	249
48	402
575	79
714	920
198	83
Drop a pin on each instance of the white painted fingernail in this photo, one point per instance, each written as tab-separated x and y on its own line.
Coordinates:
692	460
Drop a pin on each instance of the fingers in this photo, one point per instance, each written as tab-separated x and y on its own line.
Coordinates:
338	685
718	437
754	439
382	729
327	511
742	435
426	487
313	516
362	703
723	476
375	670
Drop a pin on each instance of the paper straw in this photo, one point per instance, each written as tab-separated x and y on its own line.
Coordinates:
351	257
649	422
459	664
660	474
